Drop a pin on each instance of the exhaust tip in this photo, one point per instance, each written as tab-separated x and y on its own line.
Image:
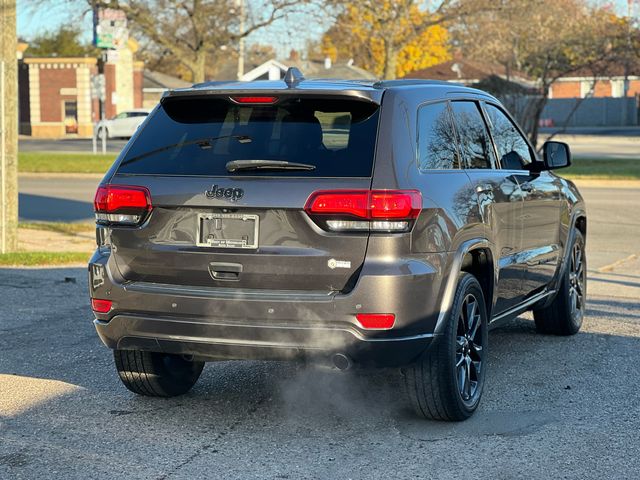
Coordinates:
341	361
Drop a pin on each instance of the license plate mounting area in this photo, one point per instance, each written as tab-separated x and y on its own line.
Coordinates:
228	230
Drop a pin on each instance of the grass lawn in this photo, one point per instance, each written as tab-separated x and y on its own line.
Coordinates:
51	243
603	168
60	162
30	259
57	162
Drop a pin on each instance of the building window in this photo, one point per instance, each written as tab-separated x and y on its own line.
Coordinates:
617	88
586	88
70	116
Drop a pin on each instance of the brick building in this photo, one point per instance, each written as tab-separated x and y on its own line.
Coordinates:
470	73
57	98
581	85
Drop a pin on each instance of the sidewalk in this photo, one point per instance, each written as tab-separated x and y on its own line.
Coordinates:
631	131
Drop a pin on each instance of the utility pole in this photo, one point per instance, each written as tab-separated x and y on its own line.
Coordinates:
8	127
240	3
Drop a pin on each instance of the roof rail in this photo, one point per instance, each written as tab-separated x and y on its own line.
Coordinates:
413	81
293	77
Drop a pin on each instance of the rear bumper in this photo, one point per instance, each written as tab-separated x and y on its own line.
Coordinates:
209	340
214	323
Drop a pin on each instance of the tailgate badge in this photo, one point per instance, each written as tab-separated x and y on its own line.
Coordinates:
333	263
233	194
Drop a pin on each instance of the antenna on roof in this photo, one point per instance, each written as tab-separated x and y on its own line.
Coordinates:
293	77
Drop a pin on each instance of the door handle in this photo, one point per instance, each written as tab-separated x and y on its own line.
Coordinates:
484	188
225	271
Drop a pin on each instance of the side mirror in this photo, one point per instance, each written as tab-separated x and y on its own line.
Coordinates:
556	155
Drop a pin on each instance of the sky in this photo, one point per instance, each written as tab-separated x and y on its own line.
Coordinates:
37	16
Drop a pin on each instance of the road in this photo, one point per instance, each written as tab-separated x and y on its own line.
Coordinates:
55	198
585	143
598	146
553	408
26	144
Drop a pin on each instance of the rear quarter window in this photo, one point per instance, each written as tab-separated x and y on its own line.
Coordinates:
436	138
199	136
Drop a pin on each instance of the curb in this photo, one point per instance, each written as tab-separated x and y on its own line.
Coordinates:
96	176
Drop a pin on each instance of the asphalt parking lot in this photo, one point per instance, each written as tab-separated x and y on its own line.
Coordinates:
553	408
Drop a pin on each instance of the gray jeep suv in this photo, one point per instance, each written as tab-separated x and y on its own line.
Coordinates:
356	223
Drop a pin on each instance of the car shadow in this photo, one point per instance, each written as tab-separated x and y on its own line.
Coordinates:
40	208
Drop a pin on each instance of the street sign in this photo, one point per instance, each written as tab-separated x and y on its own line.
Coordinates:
109	28
98	87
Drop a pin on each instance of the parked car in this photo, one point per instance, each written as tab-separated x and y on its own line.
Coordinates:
384	224
123	124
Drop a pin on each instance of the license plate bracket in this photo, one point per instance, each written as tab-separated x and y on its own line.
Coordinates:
228	230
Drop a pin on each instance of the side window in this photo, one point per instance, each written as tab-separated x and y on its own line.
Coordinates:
436	139
513	149
475	145
120	116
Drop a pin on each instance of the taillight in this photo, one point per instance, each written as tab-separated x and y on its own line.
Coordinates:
101	306
357	210
121	204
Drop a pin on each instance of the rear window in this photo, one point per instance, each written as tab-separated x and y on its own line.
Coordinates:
199	136
474	140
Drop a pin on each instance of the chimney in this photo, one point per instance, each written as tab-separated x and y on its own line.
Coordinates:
294	55
455	68
327	63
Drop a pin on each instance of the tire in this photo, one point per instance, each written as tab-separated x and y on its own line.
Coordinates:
156	374
446	383
564	315
103	131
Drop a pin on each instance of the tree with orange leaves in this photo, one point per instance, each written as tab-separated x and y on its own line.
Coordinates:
394	37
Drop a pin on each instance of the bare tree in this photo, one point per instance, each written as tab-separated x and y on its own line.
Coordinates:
544	39
196	31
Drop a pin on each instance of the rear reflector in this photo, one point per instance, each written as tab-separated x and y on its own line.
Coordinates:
121	204
254	100
382	210
376	321
101	306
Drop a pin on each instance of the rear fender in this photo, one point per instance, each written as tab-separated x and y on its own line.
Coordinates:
454	269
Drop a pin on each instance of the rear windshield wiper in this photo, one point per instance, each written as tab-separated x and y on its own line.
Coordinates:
203	142
237	165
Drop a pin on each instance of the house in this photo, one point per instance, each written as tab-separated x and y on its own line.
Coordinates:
154	84
275	70
470	73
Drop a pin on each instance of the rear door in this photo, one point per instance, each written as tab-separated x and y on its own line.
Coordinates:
246	228
499	199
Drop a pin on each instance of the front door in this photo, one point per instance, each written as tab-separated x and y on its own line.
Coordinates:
499	200
541	201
